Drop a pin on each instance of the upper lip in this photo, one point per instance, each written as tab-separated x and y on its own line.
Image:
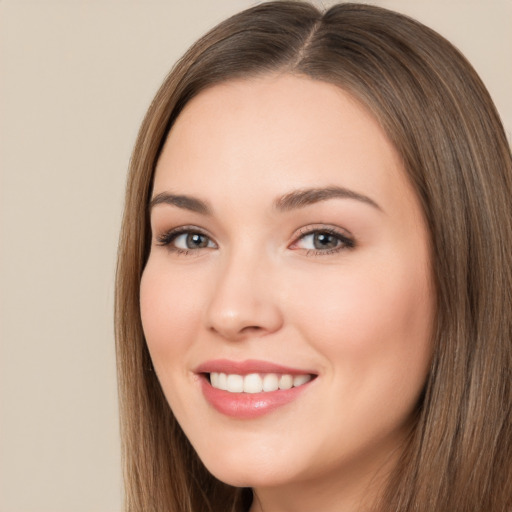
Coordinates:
248	366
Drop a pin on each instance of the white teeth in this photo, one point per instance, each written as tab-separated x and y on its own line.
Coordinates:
270	382
235	383
214	379
298	380
286	382
223	381
255	382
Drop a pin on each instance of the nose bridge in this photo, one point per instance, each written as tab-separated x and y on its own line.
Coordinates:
243	299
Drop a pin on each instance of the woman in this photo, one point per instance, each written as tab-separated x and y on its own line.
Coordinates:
313	296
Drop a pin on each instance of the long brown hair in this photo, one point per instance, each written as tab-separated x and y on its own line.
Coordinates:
444	125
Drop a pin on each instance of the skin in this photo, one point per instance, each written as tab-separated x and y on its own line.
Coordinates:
359	317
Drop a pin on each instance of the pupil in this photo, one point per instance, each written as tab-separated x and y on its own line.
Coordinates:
196	240
325	241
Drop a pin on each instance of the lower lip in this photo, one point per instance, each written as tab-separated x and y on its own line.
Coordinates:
249	405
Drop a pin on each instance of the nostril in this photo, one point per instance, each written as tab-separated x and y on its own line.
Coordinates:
252	328
236	331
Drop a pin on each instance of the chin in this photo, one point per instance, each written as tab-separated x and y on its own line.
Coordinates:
254	477
240	469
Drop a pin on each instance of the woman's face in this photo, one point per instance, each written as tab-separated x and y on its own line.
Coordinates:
288	249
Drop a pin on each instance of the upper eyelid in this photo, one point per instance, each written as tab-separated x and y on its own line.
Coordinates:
329	228
183	229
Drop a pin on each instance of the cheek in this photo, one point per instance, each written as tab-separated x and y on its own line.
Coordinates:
169	311
372	325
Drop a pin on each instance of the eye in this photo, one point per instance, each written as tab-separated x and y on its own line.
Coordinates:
184	240
323	241
192	241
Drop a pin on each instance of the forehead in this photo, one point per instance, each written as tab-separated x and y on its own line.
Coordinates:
275	133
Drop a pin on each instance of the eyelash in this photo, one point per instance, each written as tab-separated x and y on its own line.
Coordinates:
346	242
167	238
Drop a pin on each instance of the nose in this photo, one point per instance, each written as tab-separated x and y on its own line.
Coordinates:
243	301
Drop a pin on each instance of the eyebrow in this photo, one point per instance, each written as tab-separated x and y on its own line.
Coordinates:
292	201
305	197
181	201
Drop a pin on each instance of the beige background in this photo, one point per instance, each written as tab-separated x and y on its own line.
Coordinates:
76	78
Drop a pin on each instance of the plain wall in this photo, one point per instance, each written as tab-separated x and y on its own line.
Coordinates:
75	79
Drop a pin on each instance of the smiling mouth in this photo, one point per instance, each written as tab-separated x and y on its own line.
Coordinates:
256	382
250	389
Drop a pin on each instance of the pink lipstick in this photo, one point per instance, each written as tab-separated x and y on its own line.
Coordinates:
252	388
